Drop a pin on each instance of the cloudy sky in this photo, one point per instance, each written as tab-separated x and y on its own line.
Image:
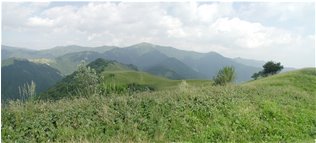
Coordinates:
282	32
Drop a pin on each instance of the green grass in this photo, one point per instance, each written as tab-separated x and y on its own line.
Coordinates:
160	83
304	79
280	108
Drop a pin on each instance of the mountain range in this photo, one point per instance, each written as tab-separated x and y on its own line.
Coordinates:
155	59
47	67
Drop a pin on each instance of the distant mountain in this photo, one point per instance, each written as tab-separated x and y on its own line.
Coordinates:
62	50
167	50
10	51
259	64
20	72
172	68
207	64
139	57
68	63
249	62
152	58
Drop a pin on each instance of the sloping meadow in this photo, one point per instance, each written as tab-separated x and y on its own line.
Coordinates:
251	112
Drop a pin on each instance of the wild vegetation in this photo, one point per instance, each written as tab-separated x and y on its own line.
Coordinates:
278	108
224	76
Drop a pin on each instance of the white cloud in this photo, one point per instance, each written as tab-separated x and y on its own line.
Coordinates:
37	21
246	34
292	16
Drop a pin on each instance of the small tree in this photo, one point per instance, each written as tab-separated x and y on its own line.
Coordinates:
224	76
86	80
271	68
256	75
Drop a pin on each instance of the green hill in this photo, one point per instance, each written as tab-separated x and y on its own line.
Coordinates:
101	65
112	75
304	79
17	72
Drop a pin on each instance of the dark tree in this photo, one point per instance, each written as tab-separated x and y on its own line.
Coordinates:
256	75
271	68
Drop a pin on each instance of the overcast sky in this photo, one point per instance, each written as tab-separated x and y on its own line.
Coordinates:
282	32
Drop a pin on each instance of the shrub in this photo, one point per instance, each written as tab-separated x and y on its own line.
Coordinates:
183	86
86	80
224	76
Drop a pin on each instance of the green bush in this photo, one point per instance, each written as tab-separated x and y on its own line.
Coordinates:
224	76
86	80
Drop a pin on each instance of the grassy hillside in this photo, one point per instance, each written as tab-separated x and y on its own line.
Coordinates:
113	76
159	83
297	80
280	108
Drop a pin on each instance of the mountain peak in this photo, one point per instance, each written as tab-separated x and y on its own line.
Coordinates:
143	44
110	65
214	54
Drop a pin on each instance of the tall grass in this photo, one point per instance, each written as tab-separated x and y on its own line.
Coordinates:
219	114
224	76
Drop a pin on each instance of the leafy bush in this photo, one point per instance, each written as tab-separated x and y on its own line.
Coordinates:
224	76
86	80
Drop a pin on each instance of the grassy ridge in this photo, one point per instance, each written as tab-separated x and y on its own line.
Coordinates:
304	79
278	108
142	78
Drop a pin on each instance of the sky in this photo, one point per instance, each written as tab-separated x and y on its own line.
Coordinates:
283	32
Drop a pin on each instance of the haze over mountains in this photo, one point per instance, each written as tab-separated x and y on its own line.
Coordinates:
155	59
164	61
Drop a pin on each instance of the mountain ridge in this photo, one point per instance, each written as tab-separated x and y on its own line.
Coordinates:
145	55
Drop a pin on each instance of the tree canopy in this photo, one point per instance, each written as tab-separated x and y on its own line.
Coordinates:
269	68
